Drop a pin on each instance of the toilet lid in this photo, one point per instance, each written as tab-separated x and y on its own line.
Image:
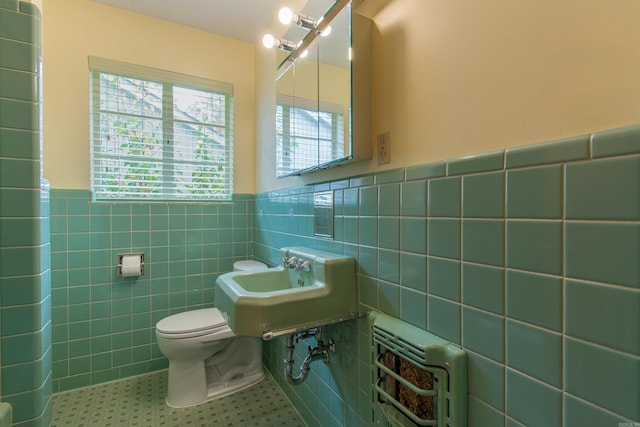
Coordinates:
247	265
191	321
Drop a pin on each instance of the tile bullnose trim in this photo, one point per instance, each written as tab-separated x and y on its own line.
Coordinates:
614	142
483	162
556	151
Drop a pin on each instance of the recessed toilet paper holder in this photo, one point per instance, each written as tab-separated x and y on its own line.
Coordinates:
121	262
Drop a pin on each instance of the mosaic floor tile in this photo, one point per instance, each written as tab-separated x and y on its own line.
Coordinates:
140	401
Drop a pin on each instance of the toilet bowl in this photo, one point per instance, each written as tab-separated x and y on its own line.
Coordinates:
206	359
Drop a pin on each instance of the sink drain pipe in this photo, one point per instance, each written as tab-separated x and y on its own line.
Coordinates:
320	352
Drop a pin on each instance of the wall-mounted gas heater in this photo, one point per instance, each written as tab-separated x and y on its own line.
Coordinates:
419	379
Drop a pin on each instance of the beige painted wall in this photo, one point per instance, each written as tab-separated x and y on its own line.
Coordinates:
453	78
75	29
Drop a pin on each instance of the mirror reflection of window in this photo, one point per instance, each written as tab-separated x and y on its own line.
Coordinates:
307	136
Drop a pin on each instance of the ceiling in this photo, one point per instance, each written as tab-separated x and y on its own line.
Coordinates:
238	19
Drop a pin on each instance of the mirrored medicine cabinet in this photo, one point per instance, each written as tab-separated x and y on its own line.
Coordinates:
323	91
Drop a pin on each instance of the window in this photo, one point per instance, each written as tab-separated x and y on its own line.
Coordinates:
158	135
307	136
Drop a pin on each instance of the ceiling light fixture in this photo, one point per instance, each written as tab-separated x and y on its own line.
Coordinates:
269	42
286	16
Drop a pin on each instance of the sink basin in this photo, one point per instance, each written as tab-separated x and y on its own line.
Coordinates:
271	302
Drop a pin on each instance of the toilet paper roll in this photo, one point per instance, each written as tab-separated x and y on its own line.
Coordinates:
130	265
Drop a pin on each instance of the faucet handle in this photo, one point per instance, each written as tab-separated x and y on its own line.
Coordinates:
290	262
304	266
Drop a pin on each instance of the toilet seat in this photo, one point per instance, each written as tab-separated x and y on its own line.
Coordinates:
194	323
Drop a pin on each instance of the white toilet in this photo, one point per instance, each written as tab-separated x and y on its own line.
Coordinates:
206	359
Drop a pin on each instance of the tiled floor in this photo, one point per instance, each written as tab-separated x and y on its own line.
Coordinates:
139	401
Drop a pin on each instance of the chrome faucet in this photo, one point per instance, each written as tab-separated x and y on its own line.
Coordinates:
299	264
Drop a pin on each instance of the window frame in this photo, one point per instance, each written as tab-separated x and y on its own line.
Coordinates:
168	80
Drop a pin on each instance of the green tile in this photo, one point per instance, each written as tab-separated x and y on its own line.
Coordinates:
19	231
337	185
19	144
413	307
18	85
26	405
368	261
79	332
533	403
25	347
389	266
535	298
413	268
486	380
24	290
19	202
78	224
604	252
338	197
483	287
18	114
580	413
19	56
616	142
361	181
535	246
483	195
535	351
413	198
389	294
484	333
388	232
389	200
481	414
603	189
483	241
20	173
444	197
561	150
413	235
19	261
368	230
368	201
31	9
444	237
484	162
605	315
444	278
425	171
350	230
351	202
535	192
604	377
368	290
443	318
9	4
396	175
22	319
79	294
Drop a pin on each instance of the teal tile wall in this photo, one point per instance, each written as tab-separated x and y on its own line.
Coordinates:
25	275
527	258
103	325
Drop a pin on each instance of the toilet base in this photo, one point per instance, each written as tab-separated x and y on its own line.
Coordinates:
235	368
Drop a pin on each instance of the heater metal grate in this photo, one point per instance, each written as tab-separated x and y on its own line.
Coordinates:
419	379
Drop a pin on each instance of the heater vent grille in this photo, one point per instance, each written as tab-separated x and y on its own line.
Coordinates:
419	379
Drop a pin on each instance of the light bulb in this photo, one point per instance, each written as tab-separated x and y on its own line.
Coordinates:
268	41
285	15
